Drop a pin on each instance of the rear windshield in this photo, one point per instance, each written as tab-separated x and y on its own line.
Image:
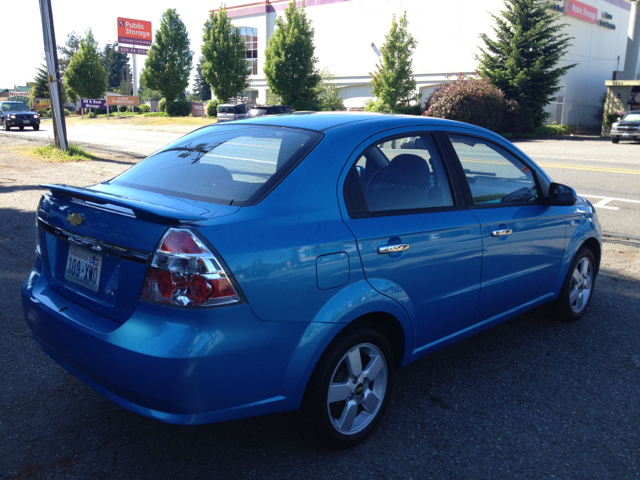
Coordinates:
231	165
226	109
258	111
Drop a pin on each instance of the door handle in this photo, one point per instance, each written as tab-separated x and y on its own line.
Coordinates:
501	233
392	248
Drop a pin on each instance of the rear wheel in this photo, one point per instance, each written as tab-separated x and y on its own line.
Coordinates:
350	389
615	140
576	293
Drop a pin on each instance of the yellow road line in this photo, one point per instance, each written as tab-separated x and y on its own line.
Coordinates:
570	167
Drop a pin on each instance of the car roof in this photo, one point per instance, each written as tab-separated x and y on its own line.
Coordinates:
321	121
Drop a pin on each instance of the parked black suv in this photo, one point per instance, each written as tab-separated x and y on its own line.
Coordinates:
259	110
17	114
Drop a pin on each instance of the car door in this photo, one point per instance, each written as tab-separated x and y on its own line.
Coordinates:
523	237
418	243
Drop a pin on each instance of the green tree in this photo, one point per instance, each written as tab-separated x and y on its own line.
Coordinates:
201	87
222	63
116	66
328	92
40	87
523	59
168	64
85	76
290	64
393	83
67	51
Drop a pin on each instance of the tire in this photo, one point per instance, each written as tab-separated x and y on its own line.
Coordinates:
5	126
349	390
615	140
21	127
577	290
36	127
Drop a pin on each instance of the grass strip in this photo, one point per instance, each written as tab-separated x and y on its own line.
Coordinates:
73	154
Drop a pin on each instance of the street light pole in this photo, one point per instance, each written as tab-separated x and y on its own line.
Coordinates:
51	56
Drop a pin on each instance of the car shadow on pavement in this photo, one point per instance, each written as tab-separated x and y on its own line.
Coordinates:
529	389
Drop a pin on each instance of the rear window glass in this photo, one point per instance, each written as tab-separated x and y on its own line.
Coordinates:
231	165
226	110
258	111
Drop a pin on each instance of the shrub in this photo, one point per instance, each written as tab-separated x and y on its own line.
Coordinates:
144	108
179	108
162	105
66	112
43	112
472	100
212	107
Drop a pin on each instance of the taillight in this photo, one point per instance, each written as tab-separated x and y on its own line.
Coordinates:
185	272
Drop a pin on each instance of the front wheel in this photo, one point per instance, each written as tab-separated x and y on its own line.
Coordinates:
5	126
21	127
615	140
577	290
350	389
36	127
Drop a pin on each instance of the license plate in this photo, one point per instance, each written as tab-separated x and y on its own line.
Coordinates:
26	121
83	268
625	134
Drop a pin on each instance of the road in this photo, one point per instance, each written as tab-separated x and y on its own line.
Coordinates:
530	398
608	175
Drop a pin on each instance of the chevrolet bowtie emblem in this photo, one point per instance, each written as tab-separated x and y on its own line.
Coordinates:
75	219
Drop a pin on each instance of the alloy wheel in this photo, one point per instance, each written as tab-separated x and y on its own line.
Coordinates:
581	285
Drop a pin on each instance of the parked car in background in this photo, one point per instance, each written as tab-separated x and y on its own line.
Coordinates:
260	110
626	128
17	114
296	261
229	111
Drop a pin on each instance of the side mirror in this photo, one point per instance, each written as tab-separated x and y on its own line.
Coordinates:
561	195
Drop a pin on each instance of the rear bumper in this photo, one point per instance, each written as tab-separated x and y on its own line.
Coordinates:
177	365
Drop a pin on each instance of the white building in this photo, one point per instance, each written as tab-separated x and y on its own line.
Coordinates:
349	34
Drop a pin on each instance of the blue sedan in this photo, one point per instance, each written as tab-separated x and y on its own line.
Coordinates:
296	262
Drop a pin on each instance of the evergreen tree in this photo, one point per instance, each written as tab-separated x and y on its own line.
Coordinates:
116	66
290	65
223	51
201	88
40	88
85	76
168	64
523	60
67	51
393	81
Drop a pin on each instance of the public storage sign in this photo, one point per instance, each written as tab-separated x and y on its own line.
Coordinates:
582	11
136	32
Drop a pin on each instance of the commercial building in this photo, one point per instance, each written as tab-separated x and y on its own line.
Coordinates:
349	34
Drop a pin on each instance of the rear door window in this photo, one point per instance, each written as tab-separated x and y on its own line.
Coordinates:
231	165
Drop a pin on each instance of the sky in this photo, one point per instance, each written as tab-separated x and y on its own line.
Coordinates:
25	52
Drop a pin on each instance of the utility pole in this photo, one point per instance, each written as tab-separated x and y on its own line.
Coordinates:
51	56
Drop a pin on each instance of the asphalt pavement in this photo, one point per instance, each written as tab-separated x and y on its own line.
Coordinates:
530	398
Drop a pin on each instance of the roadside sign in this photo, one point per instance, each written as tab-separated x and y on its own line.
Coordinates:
134	32
198	109
125	100
41	103
93	103
132	50
18	94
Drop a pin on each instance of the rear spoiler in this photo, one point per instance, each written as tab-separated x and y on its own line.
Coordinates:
142	210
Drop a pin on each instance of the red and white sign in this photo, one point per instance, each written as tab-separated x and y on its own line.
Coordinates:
582	11
134	32
198	109
18	94
127	100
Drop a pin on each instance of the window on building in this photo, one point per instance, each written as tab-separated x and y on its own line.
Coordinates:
250	38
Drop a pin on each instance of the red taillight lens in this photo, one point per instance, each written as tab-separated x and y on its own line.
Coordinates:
185	272
180	241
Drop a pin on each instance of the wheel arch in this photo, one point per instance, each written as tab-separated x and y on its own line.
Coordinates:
595	247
